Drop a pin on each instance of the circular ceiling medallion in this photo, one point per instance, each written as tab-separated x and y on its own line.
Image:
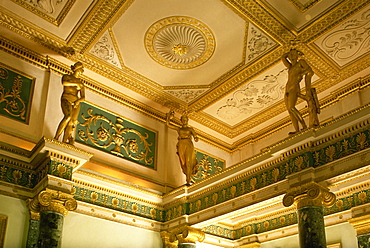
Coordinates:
179	42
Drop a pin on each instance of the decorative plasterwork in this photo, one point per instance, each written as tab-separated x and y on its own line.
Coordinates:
258	43
305	5
348	41
186	95
107	50
53	11
252	97
179	42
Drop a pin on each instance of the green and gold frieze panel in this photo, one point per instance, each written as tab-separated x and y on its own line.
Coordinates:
249	184
221	231
59	169
17	176
116	135
346	203
317	157
342	148
208	165
118	203
342	204
16	89
176	211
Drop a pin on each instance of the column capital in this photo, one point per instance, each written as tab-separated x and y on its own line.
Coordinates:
52	200
309	194
166	239
187	234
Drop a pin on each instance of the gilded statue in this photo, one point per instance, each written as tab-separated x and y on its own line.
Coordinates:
185	147
73	94
297	69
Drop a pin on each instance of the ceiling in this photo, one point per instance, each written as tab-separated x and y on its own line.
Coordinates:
219	60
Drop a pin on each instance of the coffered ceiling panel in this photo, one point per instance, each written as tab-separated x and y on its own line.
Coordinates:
220	60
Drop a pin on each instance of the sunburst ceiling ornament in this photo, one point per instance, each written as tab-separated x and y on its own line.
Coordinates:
179	42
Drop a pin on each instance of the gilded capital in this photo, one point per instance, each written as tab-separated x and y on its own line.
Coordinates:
167	241
52	200
310	194
186	234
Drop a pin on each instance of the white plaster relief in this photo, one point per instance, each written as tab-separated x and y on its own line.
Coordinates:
348	41
104	49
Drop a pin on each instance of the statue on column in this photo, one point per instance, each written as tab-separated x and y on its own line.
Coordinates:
297	69
73	94
185	147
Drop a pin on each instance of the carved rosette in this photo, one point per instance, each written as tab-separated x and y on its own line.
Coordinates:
52	200
179	42
310	194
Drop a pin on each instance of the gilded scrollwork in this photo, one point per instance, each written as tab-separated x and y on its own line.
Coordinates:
116	137
11	99
52	200
208	166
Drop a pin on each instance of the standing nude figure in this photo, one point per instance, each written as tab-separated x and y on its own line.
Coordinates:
185	147
73	94
296	70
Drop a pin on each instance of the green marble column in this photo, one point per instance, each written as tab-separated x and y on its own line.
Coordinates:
310	199
52	206
51	226
311	227
361	223
33	233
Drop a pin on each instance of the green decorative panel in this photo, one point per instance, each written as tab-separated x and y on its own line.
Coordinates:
60	170
342	148
113	134
16	91
177	211
221	231
17	176
118	203
208	165
346	203
257	181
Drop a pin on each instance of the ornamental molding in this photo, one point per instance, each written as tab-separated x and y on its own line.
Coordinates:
53	11
106	49
179	42
186	95
258	43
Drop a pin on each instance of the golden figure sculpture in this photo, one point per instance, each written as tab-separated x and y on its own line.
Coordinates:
185	147
297	69
73	94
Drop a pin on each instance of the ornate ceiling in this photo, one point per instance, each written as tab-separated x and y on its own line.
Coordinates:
217	59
